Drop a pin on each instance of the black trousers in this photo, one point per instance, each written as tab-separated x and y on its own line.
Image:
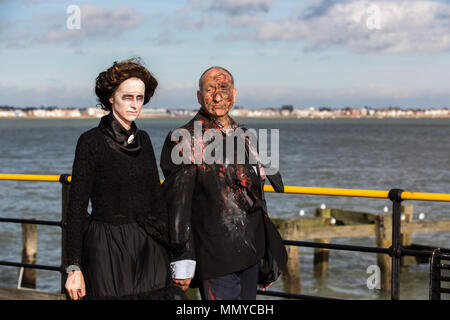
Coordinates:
241	285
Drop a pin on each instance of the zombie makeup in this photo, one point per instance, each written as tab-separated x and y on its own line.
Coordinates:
217	94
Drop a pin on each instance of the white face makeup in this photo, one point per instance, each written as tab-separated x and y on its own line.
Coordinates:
127	101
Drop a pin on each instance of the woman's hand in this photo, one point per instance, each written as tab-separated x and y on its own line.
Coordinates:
182	283
75	285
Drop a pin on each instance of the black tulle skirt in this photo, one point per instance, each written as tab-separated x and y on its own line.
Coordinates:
121	261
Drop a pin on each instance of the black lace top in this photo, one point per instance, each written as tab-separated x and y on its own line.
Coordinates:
121	184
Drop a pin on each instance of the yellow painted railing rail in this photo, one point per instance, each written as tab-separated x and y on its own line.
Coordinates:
287	189
29	177
425	196
332	192
362	193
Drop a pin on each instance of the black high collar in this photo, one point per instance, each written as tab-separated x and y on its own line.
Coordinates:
118	137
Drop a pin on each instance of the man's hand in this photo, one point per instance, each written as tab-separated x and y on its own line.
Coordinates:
264	288
75	285
182	283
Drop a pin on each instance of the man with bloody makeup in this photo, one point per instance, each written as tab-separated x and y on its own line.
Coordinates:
215	208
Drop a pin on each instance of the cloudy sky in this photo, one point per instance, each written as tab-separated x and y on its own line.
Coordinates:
305	52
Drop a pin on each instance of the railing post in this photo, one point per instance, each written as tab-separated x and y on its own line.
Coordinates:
395	195
65	201
435	276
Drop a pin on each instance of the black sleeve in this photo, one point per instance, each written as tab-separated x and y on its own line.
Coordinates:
83	175
178	188
157	203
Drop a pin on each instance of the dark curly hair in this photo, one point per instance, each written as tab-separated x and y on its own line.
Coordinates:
108	81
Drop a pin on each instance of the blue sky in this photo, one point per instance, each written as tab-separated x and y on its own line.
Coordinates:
307	53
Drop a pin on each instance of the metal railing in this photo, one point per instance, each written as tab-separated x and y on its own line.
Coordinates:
396	251
436	277
64	179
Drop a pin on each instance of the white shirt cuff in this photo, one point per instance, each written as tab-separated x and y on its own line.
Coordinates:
183	269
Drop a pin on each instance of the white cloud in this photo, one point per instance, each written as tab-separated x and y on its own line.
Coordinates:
97	23
238	7
404	26
211	14
245	21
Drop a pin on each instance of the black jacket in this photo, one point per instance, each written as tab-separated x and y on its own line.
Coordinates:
214	209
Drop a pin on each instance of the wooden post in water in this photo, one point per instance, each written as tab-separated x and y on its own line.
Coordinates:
383	233
288	231
321	255
29	250
291	279
406	238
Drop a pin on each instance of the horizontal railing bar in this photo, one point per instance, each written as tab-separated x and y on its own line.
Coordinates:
383	194
31	266
404	252
336	246
30	177
292	295
361	193
425	196
444	278
444	256
332	192
31	221
444	290
443	266
416	253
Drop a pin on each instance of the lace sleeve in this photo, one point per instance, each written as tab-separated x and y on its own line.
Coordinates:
83	174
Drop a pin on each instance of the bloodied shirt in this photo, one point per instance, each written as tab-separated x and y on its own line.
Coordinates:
215	200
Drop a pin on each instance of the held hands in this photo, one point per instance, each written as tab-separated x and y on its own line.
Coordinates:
75	285
182	283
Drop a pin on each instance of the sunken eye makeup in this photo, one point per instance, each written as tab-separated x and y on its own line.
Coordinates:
131	97
221	89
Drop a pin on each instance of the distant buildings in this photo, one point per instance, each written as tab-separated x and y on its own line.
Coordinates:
153	113
286	111
50	112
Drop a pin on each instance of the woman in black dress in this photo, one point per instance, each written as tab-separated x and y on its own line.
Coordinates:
119	251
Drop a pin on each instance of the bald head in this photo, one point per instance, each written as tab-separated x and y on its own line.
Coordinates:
217	93
200	81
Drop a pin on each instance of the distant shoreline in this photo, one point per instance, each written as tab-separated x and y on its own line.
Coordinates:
285	112
241	117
